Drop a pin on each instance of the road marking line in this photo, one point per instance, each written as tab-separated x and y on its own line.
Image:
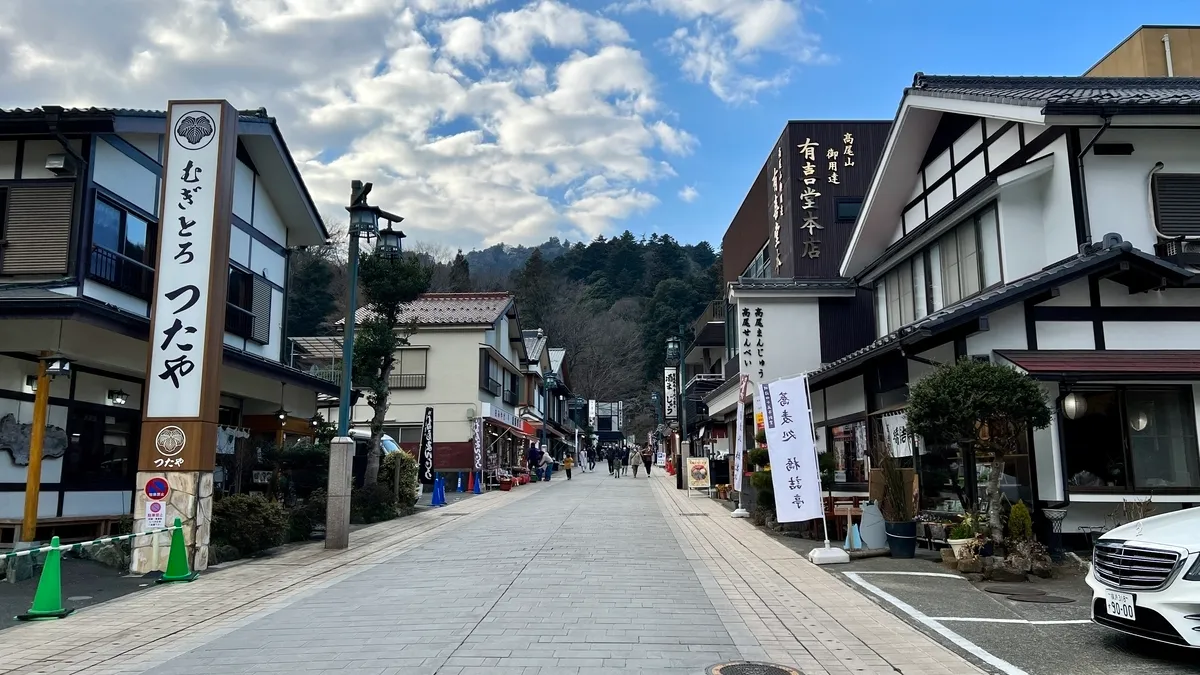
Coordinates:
917	574
1024	621
919	616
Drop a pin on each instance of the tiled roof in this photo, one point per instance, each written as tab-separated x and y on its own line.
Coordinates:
1178	362
450	309
557	354
1060	272
1070	95
259	115
535	342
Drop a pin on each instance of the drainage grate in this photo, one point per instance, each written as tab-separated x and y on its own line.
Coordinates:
1045	599
692	515
751	668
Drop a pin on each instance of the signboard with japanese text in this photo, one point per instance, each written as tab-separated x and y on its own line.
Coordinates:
794	476
895	433
698	475
753	345
425	455
477	437
592	414
739	447
156	515
187	327
670	394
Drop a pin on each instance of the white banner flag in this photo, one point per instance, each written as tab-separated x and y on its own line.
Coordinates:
788	420
739	447
895	429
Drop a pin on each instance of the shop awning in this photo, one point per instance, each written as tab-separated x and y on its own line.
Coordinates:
537	429
1117	364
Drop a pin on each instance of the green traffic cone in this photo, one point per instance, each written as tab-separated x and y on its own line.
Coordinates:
47	600
177	563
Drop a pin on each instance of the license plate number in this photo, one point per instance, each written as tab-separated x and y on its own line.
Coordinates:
1120	605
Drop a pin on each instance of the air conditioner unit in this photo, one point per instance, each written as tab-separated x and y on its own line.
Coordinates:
1182	252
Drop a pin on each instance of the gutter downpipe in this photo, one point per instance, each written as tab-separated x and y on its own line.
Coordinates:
1166	40
1087	218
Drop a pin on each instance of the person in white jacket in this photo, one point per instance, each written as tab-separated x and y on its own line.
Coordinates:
635	460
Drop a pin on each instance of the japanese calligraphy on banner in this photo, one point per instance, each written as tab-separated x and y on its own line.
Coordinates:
836	162
478	438
753	348
670	394
777	204
739	446
895	431
794	477
425	455
592	419
188	306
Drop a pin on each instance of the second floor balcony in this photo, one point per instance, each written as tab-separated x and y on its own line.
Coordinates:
702	385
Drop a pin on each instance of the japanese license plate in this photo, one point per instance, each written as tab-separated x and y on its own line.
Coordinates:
1120	605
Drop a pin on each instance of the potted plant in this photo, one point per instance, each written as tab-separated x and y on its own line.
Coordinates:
961	534
899	511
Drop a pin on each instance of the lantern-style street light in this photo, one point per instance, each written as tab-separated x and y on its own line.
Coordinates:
391	241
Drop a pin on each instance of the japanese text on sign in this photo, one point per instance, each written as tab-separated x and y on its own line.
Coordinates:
753	347
180	315
790	445
777	203
670	394
836	161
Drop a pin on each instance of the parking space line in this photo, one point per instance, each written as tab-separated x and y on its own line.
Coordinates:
917	574
956	639
968	619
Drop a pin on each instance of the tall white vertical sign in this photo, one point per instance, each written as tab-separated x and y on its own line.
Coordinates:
592	419
670	394
477	435
739	447
787	417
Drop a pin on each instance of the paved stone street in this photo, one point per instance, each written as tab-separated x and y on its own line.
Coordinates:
587	577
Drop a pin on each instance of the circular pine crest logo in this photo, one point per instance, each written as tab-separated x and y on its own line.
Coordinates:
195	130
170	441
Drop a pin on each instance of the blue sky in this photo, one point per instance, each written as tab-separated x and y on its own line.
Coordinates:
877	45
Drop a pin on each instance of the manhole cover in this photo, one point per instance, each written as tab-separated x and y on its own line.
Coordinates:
693	514
1014	589
751	668
1046	599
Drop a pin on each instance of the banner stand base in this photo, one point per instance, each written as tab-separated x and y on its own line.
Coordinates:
740	513
828	556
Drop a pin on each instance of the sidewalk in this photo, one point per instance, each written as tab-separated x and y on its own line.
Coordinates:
782	609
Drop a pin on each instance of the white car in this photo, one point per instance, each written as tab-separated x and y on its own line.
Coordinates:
1145	578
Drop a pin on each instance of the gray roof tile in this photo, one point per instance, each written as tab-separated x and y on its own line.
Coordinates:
449	309
1070	95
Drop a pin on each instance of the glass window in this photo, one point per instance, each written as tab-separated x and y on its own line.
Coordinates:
849	444
989	247
893	297
920	291
847	210
1125	438
101	447
881	313
935	277
951	288
905	282
136	247
410	434
968	259
106	226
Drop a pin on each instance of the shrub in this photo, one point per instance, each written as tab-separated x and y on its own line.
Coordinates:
305	516
760	437
1020	524
248	523
962	530
372	504
408	478
761	480
827	462
760	457
765	499
306	467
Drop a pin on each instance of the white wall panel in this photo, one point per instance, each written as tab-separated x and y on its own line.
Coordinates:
268	263
1065	335
239	246
147	143
845	398
969	174
107	503
33	164
243	192
12	504
128	179
1113	294
1004	147
940	166
1006	330
1074	294
940	197
1022	250
111	296
266	218
1151	334
973	138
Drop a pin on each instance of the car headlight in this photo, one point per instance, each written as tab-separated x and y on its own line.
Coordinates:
1193	574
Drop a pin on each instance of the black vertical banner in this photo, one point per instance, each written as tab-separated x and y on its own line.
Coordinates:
425	458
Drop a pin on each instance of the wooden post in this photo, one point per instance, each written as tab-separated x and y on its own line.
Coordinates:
33	474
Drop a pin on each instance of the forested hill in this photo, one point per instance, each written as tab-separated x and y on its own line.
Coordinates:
611	303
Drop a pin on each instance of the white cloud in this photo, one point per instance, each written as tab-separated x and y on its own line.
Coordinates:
737	47
477	124
689	194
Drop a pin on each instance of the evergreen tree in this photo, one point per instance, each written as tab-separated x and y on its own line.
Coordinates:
534	287
460	274
310	301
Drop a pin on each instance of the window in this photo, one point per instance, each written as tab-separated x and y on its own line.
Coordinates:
759	268
847	210
101	447
489	373
849	445
1176	209
248	306
410	433
962	263
1131	438
122	251
409	370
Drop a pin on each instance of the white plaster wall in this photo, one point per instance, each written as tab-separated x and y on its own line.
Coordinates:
111	296
972	138
1113	294
239	247
1020	211
243	192
1151	334
266	218
1058	212
149	144
845	398
1047	453
262	394
791	337
128	179
1074	294
1006	330
1117	188
940	354
92	388
1065	335
268	263
33	164
1004	147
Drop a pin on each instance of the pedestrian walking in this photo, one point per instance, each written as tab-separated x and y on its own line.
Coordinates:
608	455
568	464
535	462
635	459
546	465
591	460
583	455
647	459
624	462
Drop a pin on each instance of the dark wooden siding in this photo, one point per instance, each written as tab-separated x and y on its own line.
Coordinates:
751	226
853	182
847	324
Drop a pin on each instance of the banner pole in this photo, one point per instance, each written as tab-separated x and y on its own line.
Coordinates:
739	462
826	555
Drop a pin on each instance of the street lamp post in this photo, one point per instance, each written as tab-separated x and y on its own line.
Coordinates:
658	419
676	350
548	382
364	224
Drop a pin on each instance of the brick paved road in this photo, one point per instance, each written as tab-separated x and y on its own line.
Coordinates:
594	576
